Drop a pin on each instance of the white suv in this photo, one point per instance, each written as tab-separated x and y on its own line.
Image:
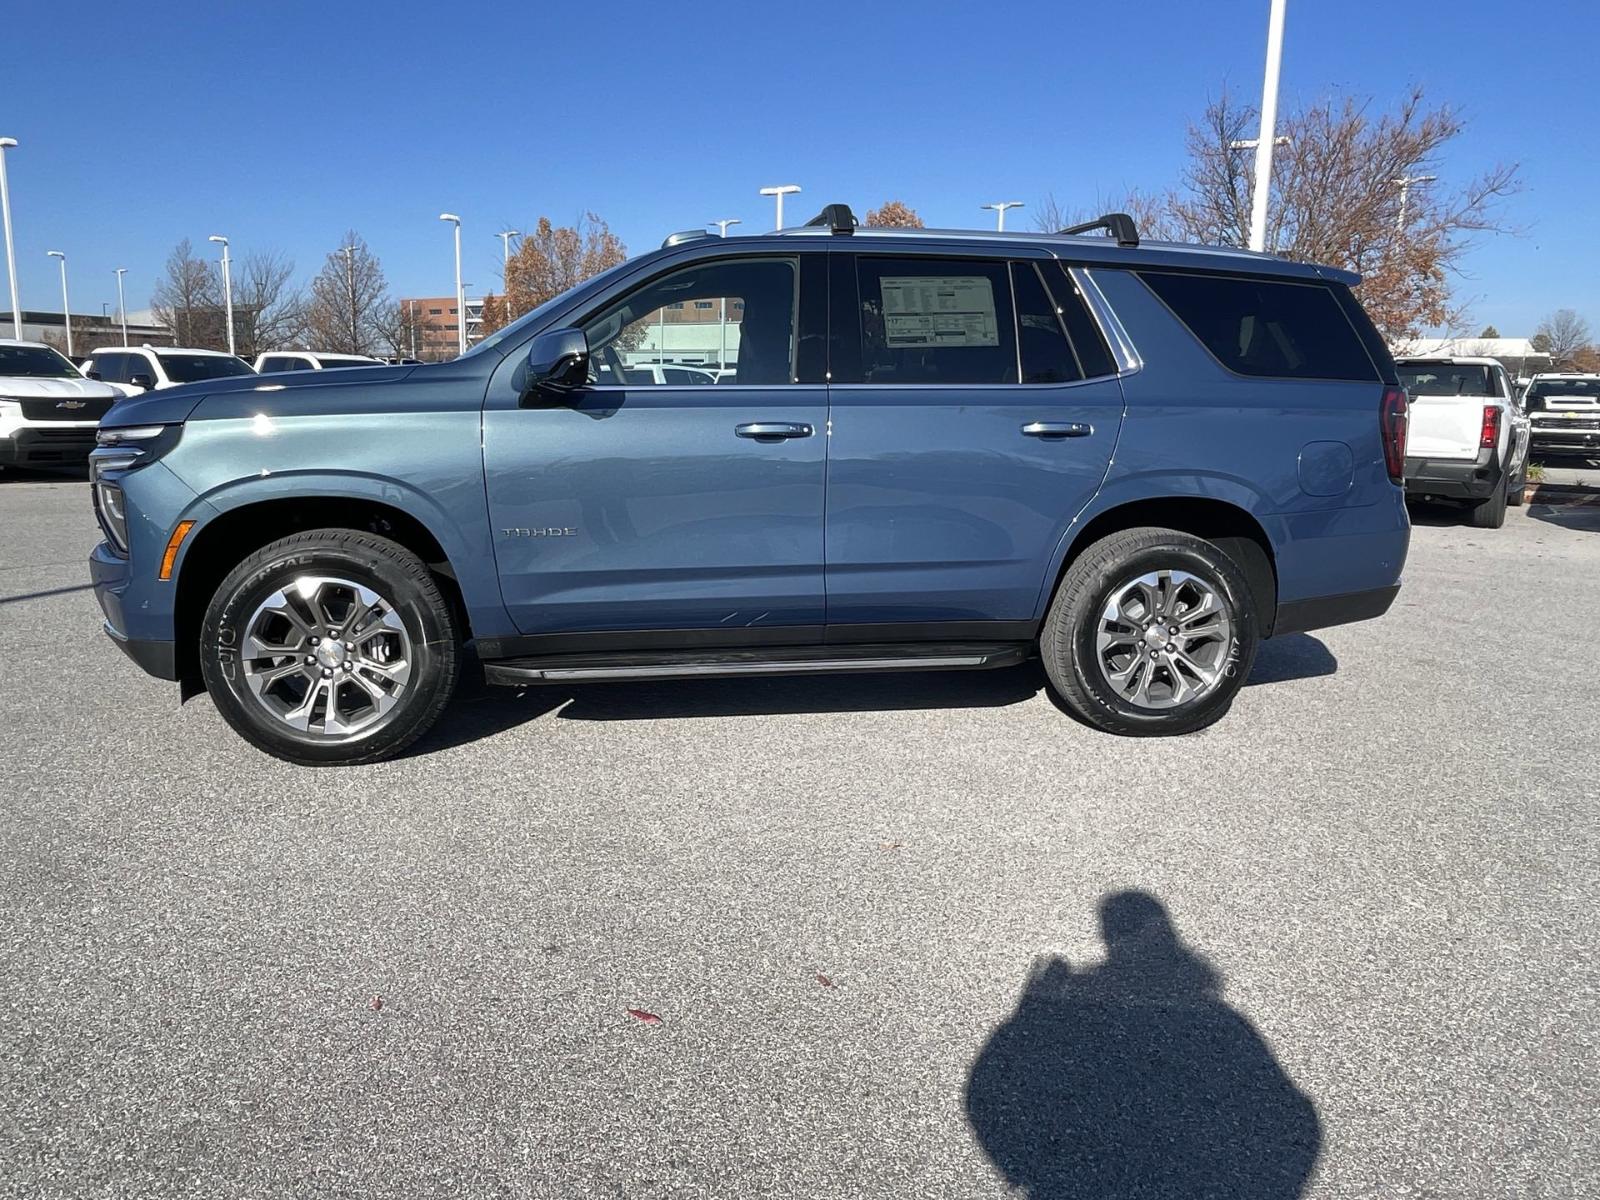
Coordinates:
48	411
1467	439
135	369
277	361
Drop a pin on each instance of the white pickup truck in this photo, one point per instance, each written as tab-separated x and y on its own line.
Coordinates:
1565	413
1468	437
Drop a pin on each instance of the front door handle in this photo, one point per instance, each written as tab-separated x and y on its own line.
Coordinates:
1057	429
773	429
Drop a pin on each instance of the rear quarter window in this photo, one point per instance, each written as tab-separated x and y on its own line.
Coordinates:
1267	328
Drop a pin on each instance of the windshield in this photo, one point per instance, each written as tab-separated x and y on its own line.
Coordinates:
187	368
513	330
1446	379
35	362
1544	388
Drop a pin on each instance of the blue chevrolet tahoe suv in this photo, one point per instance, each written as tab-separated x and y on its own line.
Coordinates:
924	450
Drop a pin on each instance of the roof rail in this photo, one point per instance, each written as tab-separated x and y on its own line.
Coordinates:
1118	225
836	218
685	235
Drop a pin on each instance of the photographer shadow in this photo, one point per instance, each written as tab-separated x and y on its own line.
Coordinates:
1135	1079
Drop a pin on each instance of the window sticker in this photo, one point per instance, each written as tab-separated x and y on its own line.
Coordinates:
939	310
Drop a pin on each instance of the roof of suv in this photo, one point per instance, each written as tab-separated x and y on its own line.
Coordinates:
1082	247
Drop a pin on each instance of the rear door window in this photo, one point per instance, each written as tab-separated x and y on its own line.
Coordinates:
1267	328
1047	355
936	321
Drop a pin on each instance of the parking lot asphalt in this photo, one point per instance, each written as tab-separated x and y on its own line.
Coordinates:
920	935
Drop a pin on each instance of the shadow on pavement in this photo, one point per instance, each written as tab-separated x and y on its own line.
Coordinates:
1582	517
1135	1079
481	711
60	591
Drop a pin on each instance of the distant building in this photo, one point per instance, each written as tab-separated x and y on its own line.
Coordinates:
691	331
434	326
89	330
1517	355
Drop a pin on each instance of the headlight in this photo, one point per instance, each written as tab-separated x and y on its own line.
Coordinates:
112	515
119	450
128	435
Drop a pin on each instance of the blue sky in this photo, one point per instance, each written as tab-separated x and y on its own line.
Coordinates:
284	124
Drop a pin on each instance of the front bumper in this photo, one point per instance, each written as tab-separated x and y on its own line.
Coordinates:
47	446
111	575
1580	435
1453	478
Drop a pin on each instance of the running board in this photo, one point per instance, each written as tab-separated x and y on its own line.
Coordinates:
761	660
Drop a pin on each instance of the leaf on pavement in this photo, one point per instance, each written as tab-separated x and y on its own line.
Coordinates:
639	1014
824	980
376	1002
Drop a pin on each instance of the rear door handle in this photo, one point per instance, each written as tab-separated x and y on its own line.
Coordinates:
773	429
1057	429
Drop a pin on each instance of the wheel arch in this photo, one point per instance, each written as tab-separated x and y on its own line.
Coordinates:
1228	524
221	543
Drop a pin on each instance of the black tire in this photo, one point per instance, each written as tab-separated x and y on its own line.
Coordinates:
1514	492
1067	641
373	562
1490	513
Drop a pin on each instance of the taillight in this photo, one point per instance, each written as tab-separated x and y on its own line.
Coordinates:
1393	418
1490	437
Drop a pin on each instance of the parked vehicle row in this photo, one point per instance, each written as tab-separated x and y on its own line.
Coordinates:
937	450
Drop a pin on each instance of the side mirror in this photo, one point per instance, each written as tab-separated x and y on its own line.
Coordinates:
558	362
95	375
141	380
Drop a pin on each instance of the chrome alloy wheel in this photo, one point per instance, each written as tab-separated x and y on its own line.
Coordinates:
326	656
1164	639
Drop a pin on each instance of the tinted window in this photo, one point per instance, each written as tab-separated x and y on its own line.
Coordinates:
1046	354
1267	328
278	362
188	368
339	360
931	320
1543	389
1093	353
35	362
113	368
644	326
1447	379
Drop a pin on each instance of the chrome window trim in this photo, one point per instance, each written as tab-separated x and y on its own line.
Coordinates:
1123	351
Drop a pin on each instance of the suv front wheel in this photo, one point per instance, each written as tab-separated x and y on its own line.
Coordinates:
1151	632
330	647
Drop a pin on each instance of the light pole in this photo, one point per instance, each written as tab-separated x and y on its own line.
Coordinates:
780	192
722	317
1000	212
461	300
349	253
66	308
1269	123
227	284
11	253
122	310
505	236
1405	182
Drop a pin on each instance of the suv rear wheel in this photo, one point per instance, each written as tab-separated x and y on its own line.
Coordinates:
330	647
1152	632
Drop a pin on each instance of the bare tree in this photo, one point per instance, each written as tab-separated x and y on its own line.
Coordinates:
188	300
1149	213
1336	199
349	304
550	260
893	214
402	330
268	313
1563	335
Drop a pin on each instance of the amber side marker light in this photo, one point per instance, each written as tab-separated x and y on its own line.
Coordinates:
176	540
